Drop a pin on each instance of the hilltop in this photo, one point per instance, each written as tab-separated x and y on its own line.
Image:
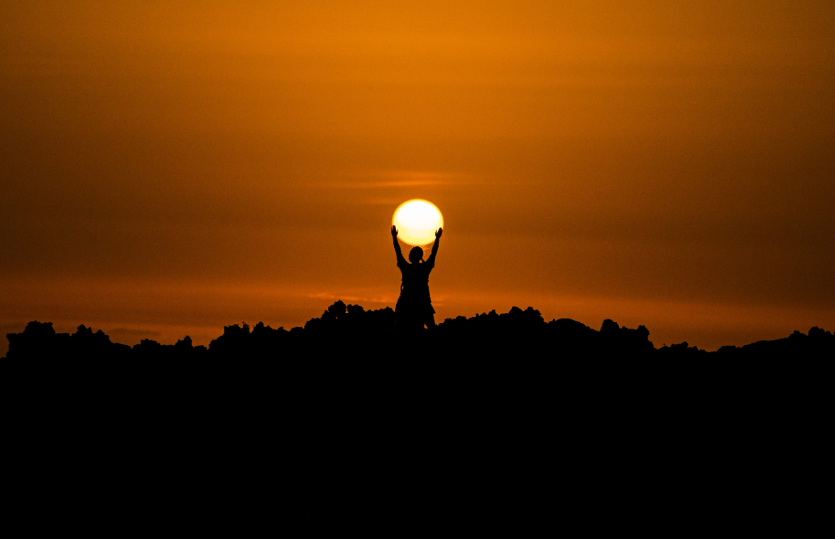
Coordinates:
350	330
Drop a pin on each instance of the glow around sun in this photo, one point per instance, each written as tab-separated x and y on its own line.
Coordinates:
416	221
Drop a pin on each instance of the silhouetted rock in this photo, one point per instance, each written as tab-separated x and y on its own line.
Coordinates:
560	379
350	330
38	340
353	363
682	351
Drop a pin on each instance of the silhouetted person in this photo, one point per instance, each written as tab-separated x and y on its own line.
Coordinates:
414	307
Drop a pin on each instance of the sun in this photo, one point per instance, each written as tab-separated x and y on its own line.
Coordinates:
416	221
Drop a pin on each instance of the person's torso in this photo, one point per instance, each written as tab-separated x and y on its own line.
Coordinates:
415	280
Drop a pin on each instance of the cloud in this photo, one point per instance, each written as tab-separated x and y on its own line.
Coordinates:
378	299
400	178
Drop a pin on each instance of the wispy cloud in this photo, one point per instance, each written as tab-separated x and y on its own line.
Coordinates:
377	299
400	178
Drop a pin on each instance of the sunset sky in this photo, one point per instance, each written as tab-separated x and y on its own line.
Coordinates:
168	168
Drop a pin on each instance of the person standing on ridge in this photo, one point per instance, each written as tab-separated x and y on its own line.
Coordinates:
414	306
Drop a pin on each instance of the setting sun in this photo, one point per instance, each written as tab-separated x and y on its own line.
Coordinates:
417	220
170	168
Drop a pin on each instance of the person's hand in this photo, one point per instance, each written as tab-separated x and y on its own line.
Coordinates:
438	233
393	231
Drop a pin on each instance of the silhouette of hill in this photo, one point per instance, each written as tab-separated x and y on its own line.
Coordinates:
357	358
353	363
590	407
350	330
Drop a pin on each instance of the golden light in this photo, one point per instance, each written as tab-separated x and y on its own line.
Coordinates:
416	221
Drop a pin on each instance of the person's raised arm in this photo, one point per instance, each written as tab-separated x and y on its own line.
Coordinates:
431	260
400	259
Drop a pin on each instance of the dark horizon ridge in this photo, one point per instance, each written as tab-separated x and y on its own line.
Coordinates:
524	329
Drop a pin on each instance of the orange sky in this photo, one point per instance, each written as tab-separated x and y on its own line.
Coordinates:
173	167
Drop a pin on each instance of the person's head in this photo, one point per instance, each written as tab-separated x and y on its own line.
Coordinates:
415	255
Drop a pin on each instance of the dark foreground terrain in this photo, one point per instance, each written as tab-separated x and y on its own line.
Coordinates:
354	362
350	335
498	399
